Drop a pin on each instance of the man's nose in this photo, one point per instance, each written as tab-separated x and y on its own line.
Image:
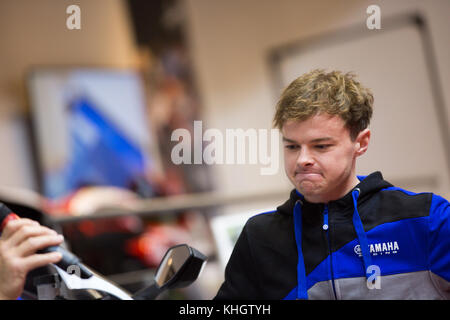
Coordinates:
305	158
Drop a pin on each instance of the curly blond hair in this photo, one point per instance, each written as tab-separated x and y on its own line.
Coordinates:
334	93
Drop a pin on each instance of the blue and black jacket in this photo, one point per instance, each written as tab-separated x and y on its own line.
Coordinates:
376	242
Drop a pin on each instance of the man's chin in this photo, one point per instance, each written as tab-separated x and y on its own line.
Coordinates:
308	187
309	194
313	198
313	193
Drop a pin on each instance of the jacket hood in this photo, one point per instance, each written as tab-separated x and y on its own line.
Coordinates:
368	185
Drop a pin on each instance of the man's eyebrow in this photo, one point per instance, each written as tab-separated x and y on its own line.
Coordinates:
318	140
324	139
289	140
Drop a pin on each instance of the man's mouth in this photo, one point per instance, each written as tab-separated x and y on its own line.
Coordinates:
307	174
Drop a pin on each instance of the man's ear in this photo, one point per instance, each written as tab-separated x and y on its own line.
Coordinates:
362	142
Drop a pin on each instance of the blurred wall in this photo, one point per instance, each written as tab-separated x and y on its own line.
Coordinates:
34	33
230	41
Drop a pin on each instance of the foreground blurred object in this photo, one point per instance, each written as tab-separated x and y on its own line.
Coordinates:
180	267
100	243
126	248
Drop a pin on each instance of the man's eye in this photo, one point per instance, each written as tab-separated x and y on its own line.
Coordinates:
291	147
323	146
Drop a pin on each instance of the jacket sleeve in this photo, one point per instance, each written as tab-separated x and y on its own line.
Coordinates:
240	273
439	244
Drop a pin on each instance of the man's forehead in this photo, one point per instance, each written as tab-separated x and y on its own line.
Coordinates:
318	118
317	128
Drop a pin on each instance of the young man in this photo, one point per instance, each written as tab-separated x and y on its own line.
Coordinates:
339	236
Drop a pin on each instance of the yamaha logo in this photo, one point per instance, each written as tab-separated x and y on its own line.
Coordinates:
381	248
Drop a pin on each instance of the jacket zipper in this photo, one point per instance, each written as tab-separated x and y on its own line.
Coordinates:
326	227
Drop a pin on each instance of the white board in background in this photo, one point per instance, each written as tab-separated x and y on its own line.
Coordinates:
227	228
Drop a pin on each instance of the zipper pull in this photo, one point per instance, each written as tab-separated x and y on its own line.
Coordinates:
325	218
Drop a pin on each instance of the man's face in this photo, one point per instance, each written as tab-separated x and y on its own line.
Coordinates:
319	156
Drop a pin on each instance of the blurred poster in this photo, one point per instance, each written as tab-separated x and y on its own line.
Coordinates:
91	129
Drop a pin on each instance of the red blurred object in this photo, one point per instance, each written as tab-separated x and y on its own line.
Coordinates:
151	246
9	217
